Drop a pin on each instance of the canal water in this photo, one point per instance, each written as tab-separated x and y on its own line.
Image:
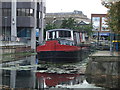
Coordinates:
28	74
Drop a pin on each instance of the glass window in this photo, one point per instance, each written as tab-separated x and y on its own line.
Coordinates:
31	12
9	12
50	34
64	34
5	12
19	12
96	23
104	26
39	15
27	12
23	12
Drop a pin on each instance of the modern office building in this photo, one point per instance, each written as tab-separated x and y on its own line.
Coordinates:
21	19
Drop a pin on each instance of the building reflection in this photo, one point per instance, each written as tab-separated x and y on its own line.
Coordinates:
15	78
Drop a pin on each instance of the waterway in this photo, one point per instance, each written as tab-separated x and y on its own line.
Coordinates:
27	74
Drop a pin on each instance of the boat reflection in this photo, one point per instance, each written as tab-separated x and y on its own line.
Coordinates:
47	80
53	79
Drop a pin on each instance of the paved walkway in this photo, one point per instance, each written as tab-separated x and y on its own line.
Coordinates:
106	53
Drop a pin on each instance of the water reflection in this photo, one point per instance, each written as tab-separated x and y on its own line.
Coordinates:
47	80
18	74
105	81
26	73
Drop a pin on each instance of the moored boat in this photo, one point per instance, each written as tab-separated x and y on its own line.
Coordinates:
61	45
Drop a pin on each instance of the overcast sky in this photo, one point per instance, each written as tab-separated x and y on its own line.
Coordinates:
87	6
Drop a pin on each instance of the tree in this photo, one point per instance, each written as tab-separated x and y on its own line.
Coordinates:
69	23
113	16
48	27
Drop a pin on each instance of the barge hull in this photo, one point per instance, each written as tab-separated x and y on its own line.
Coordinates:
59	56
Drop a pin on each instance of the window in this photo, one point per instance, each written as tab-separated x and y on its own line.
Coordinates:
6	12
18	12
96	23
50	35
39	15
25	12
64	34
31	12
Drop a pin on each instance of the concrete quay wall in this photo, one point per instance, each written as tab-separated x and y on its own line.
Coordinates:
8	47
103	65
14	49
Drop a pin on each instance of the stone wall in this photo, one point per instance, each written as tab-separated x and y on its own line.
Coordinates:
103	65
104	71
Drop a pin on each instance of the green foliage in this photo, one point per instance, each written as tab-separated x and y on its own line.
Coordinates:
114	17
50	26
69	23
85	28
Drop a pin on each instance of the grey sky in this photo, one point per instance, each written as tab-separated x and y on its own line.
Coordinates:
87	6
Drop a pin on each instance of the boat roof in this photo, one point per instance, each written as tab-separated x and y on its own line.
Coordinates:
59	30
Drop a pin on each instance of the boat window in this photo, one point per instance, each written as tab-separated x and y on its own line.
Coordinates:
66	42
64	34
50	34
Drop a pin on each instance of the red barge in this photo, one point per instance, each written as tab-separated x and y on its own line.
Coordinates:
61	45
